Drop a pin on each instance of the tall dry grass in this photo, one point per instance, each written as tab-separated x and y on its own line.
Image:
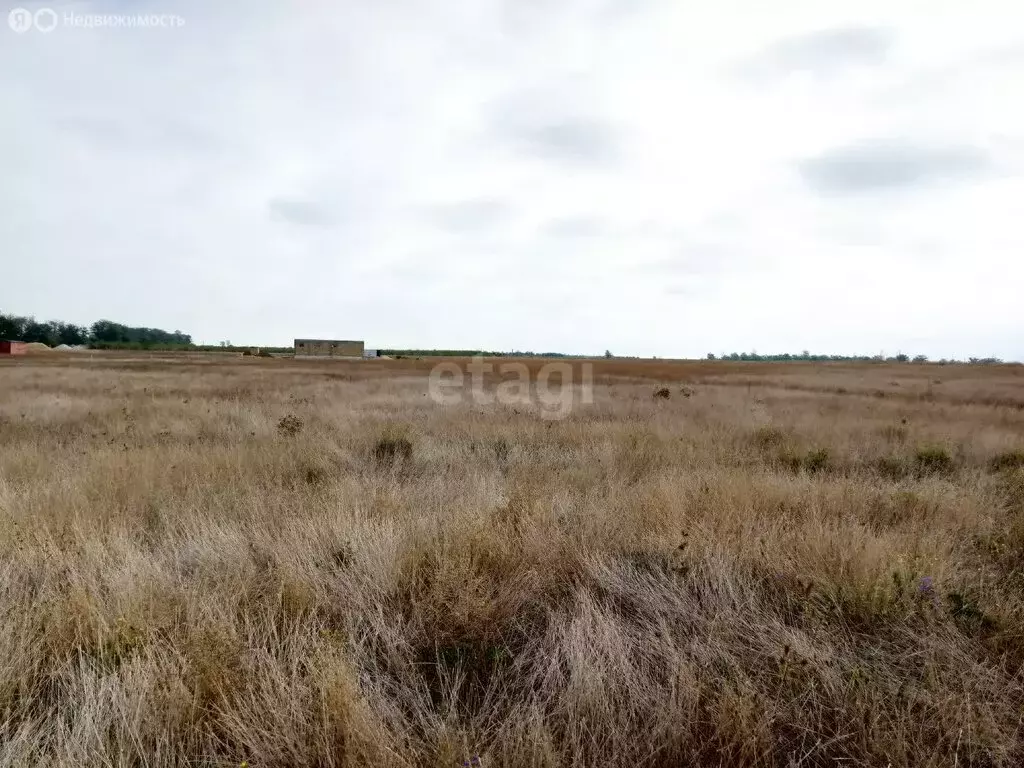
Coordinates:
214	562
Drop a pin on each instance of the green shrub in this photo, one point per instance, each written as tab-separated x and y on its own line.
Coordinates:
816	461
933	460
1006	461
789	460
769	437
892	467
812	462
391	449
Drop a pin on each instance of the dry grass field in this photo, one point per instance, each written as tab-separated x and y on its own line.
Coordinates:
210	561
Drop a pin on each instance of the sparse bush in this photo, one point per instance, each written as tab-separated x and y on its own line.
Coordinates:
391	449
892	467
769	437
1007	460
812	462
789	460
314	475
816	460
933	460
289	425
502	449
343	556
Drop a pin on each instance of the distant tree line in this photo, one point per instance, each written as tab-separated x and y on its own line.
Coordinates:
52	332
806	356
103	334
106	334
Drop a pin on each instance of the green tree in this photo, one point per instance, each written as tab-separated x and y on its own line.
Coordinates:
107	332
12	327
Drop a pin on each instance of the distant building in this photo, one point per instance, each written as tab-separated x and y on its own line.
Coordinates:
369	354
328	348
13	347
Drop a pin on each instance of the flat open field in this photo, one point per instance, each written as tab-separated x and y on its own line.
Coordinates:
214	561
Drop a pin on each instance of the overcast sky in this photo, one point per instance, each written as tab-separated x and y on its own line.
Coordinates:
653	177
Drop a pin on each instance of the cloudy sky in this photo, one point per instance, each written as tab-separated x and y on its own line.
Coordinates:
653	177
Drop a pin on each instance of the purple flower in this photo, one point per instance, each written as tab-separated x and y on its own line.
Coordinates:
926	590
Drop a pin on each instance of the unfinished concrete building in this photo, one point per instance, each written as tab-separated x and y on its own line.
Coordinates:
328	348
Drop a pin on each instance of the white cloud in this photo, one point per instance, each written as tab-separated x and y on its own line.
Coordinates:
650	177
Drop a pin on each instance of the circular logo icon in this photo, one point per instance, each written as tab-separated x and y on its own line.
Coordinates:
19	20
46	19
